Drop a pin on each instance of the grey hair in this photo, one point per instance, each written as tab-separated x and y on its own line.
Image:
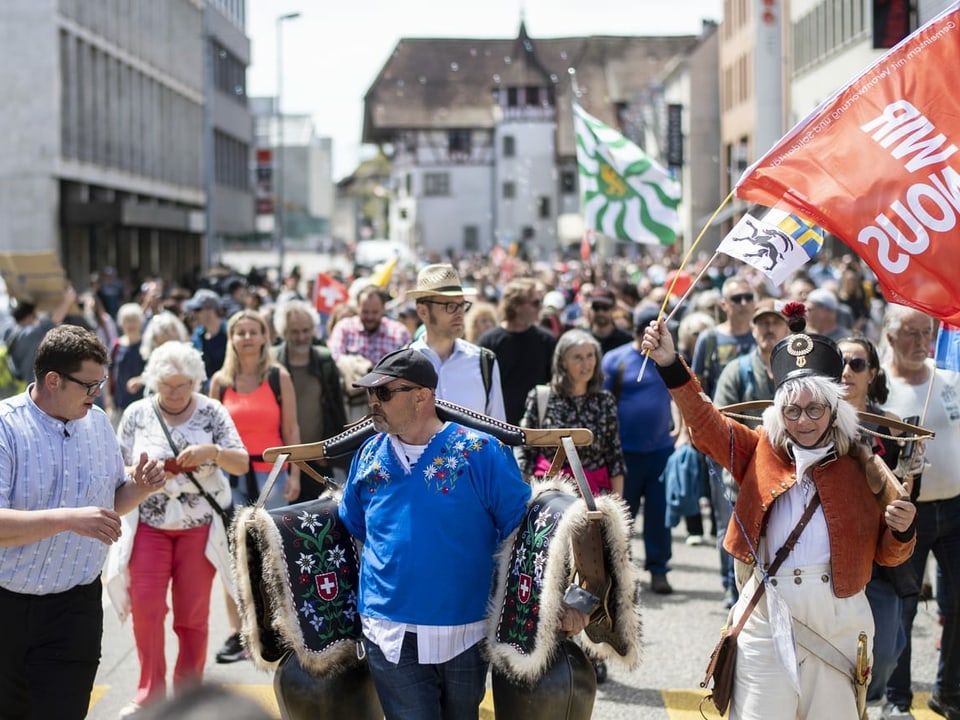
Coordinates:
560	382
843	430
163	323
174	358
130	311
283	311
894	316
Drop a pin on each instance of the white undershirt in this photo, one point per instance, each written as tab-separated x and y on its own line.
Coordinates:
813	547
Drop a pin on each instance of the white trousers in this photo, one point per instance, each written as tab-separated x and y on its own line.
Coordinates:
762	689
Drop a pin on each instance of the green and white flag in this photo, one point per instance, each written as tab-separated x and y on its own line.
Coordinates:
624	194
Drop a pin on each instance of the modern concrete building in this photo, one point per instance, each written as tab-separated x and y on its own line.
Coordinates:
308	188
107	106
481	136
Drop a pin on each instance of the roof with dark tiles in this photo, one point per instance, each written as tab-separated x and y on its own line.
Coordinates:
444	83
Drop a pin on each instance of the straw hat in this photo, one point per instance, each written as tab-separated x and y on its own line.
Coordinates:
439	279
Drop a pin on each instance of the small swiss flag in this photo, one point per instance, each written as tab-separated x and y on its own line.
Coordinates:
328	293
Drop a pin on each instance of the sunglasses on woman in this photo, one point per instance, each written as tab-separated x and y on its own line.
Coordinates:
858	365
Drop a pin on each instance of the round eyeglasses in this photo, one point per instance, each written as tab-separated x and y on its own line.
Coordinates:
814	411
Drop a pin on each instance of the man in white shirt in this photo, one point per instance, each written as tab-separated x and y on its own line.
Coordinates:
909	375
468	374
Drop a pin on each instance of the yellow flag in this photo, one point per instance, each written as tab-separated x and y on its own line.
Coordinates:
381	277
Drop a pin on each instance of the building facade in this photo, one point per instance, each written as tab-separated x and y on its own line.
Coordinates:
480	132
110	119
307	166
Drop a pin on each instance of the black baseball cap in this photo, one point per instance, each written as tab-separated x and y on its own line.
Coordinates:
402	364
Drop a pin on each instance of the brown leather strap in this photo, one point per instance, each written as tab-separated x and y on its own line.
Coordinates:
778	561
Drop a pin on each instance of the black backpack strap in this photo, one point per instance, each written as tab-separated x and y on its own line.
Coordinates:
487	358
273	377
616	385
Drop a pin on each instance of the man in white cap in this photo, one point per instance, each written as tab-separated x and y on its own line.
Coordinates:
468	374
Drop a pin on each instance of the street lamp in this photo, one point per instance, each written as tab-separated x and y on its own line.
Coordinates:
278	166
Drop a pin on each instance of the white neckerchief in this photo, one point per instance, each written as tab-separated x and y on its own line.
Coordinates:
806	458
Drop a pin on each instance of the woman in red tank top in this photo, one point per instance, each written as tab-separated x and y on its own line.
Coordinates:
243	385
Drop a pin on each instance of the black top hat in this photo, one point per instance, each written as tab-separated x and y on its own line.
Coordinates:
801	354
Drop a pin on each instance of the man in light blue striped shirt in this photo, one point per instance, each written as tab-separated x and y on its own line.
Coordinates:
63	487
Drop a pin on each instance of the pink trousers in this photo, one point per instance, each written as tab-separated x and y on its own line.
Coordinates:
159	557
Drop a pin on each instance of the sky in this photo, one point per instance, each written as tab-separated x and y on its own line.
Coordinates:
333	52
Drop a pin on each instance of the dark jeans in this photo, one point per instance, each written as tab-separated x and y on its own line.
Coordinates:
410	691
49	653
938	530
723	510
889	638
643	481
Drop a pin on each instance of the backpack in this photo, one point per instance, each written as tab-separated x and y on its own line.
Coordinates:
273	377
10	384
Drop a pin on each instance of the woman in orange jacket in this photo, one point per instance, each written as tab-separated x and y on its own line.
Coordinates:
798	649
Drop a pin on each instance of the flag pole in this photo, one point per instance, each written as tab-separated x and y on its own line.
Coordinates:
676	275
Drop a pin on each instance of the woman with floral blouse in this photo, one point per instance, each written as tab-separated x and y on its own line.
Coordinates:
573	399
177	539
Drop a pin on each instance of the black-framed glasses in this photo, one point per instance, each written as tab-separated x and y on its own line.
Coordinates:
384	394
92	388
814	411
858	365
601	307
741	298
451	308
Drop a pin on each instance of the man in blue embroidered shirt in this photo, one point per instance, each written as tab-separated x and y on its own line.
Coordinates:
430	501
63	487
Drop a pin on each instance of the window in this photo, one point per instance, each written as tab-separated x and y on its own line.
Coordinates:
512	97
533	96
568	182
458	141
543	207
436	184
509	190
471	238
509	146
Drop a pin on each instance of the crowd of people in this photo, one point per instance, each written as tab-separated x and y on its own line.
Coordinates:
199	382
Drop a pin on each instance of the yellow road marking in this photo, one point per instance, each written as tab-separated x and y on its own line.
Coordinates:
679	704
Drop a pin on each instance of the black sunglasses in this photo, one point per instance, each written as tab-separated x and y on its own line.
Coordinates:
858	365
740	298
601	307
384	394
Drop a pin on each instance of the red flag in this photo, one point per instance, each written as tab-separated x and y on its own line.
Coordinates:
877	164
328	293
586	245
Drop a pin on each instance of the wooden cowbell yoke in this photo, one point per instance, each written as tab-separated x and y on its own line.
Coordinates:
298	575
